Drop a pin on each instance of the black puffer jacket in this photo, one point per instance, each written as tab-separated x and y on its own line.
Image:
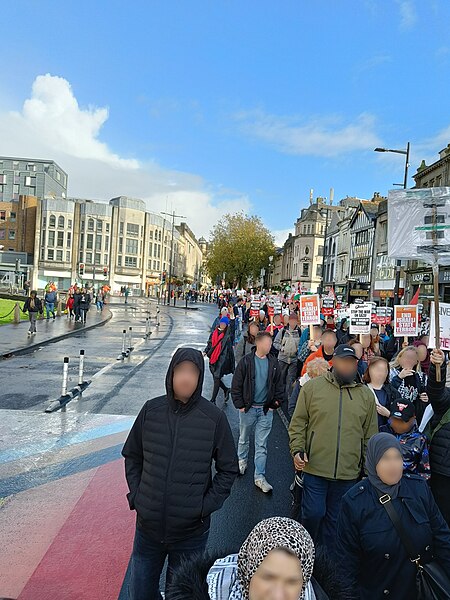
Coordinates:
243	384
189	582
439	396
168	456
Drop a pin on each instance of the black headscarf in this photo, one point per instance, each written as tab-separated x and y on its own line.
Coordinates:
181	355
377	446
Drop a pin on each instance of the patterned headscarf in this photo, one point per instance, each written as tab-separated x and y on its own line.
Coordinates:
268	535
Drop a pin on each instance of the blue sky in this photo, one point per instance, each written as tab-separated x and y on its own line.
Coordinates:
209	106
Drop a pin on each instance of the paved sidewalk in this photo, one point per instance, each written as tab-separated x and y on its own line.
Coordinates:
14	339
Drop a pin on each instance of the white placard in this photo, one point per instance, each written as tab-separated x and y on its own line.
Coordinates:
360	318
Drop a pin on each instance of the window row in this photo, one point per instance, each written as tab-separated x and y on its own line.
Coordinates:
58	255
11	234
52	222
93	258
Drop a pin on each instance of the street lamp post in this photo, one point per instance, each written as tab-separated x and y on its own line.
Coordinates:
174	216
398	264
325	210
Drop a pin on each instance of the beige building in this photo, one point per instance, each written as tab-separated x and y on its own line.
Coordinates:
437	174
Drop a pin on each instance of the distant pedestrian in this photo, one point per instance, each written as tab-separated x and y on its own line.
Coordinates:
169	453
69	306
50	299
76	304
126	294
99	300
219	350
85	302
26	287
33	305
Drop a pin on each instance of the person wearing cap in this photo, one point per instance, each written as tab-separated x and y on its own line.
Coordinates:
222	313
369	548
333	420
262	320
402	423
286	343
325	350
219	350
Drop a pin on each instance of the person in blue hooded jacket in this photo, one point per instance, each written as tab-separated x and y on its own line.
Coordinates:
368	546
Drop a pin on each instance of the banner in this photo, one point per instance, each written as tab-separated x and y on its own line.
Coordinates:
255	307
406	320
310	310
360	318
328	306
444	315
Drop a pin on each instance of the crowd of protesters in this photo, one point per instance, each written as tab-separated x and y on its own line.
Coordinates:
369	436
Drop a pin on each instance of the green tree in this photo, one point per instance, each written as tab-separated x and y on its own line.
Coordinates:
240	246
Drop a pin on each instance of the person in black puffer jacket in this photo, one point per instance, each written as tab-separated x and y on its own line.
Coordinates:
168	457
439	432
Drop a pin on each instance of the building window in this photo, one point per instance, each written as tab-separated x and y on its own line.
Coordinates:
105	259
131	247
60	239
89	257
3	179
82	225
16	189
81	257
320	251
61	221
319	271
150	235
106	242
91	225
50	254
121	227
51	238
59	255
132	229
31	167
2	234
68	256
159	236
154	265
98	242
2	215
98	258
12	216
119	261
305	269
69	239
99	225
306	250
150	249
107	227
52	221
89	241
42	253
120	245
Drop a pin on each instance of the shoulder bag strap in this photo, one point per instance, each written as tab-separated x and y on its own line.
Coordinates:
386	501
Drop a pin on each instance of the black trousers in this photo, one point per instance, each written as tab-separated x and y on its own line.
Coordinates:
440	486
217	385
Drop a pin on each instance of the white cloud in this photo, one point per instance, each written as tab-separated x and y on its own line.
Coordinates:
281	236
408	15
52	125
321	136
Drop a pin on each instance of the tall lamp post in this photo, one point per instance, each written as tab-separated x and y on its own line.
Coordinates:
326	210
398	264
174	216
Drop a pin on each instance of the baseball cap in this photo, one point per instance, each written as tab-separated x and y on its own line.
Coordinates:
344	351
403	409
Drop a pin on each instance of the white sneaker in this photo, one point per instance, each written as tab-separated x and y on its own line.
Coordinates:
263	485
242	466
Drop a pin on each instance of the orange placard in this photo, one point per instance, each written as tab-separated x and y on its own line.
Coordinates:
310	310
406	320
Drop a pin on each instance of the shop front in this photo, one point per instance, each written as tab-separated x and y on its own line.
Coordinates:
384	281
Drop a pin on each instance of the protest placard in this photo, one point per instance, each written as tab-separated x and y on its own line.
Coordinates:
310	310
444	320
360	318
406	320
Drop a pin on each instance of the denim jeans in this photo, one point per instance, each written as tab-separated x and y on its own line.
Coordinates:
320	507
288	375
255	418
50	308
147	562
32	316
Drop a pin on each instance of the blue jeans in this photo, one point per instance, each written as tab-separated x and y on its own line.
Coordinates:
50	308
147	562
320	507
255	418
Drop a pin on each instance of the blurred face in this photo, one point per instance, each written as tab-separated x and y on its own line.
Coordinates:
378	372
408	360
292	322
329	342
222	326
346	368
422	353
317	334
253	329
278	577
400	426
277	319
185	380
374	332
286	320
365	340
390	467
358	350
263	345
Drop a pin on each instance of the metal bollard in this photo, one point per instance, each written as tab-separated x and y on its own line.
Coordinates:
157	316
65	376
81	368
130	333
124	336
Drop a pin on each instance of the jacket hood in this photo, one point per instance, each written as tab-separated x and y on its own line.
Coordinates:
182	355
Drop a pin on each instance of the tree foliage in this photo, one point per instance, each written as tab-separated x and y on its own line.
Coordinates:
240	246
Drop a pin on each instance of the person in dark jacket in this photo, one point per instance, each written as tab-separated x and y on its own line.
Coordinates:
219	350
85	302
343	334
407	377
385	395
76	303
50	299
278	557
33	306
247	341
256	390
439	433
168	457
369	547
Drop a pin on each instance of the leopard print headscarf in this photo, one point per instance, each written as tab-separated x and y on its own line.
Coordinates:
268	535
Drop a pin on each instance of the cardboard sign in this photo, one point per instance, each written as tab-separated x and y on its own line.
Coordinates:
255	307
327	306
271	308
310	310
360	318
406	320
444	334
